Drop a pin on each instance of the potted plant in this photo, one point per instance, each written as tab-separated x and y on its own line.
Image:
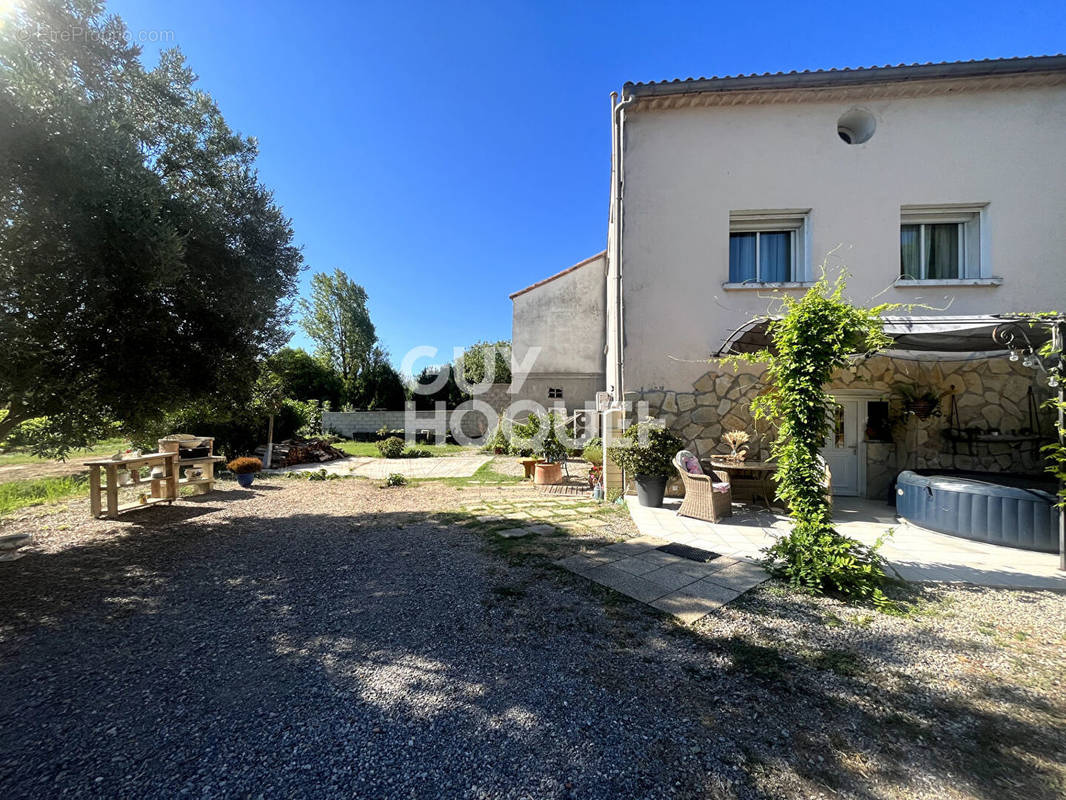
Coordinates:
737	442
646	453
538	433
245	470
922	403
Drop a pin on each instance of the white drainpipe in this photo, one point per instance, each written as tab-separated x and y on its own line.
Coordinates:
615	256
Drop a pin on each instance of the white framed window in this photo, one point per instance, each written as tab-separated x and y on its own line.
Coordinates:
940	243
768	247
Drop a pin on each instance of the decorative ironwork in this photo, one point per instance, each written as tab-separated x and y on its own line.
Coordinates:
1013	336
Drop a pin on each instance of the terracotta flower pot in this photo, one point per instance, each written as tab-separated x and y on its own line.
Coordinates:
528	464
547	473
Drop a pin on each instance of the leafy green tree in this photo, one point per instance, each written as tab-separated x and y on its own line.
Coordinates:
337	320
143	266
448	392
377	384
304	377
474	360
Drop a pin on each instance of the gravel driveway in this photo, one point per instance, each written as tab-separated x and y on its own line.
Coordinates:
330	639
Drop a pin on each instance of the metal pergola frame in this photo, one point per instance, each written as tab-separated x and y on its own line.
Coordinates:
954	338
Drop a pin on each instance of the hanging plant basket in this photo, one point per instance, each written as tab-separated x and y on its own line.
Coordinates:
923	409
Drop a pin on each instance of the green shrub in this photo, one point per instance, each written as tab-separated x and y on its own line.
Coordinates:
416	452
499	441
396	479
529	440
648	449
320	475
593	454
391	447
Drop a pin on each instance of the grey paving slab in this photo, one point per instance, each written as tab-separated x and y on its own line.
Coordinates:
739	576
706	590
542	529
631	585
670	578
689	606
632	547
578	564
635	566
602	556
660	558
514	533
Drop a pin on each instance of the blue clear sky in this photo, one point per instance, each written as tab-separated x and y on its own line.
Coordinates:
446	154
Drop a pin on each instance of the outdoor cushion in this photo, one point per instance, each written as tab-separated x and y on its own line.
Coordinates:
692	465
720	487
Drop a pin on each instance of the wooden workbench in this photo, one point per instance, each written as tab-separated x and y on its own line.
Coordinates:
163	489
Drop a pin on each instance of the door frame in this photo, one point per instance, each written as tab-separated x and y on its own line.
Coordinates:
864	397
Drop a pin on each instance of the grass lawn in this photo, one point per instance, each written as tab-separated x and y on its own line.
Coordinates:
484	475
370	450
105	448
19	494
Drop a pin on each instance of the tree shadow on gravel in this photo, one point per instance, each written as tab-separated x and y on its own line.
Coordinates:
380	655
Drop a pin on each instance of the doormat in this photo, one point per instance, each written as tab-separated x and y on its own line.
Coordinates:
691	553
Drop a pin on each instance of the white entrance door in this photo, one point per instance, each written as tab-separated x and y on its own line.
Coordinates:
842	446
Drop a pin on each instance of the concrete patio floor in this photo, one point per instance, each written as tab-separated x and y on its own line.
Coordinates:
915	553
380	468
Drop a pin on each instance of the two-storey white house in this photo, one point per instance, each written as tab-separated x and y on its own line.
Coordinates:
937	186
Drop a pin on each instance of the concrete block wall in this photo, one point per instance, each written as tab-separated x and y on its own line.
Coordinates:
472	422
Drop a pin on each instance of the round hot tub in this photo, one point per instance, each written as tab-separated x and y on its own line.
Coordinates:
982	510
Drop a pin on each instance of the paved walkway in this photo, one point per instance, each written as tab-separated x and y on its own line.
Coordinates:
681	581
379	468
917	554
678	580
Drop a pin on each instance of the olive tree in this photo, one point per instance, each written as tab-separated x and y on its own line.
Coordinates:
143	265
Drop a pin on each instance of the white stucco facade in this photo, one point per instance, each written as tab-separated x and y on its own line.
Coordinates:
996	150
558	336
842	160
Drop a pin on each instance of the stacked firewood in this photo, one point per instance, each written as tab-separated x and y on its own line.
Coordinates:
300	451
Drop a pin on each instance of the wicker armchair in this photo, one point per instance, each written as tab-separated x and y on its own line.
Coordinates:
707	497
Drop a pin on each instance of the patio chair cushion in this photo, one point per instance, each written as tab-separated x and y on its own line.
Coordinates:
720	487
692	465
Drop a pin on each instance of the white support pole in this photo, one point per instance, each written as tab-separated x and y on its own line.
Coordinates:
1058	334
270	444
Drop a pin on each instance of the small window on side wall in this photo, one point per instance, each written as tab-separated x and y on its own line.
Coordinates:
940	244
767	247
555	394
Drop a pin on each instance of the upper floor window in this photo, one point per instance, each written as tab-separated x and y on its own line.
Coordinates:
555	394
940	244
767	247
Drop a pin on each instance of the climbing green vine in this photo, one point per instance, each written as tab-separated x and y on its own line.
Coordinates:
1052	353
813	337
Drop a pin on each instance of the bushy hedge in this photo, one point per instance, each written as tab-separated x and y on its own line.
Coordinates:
391	447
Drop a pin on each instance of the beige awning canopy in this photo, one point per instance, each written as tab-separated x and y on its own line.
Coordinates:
920	338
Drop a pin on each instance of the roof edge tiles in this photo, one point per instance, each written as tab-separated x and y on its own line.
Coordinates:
813	79
566	271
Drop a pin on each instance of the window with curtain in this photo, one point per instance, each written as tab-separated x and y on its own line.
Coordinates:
764	256
939	245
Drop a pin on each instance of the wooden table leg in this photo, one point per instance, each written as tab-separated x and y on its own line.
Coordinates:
112	490
172	477
94	491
